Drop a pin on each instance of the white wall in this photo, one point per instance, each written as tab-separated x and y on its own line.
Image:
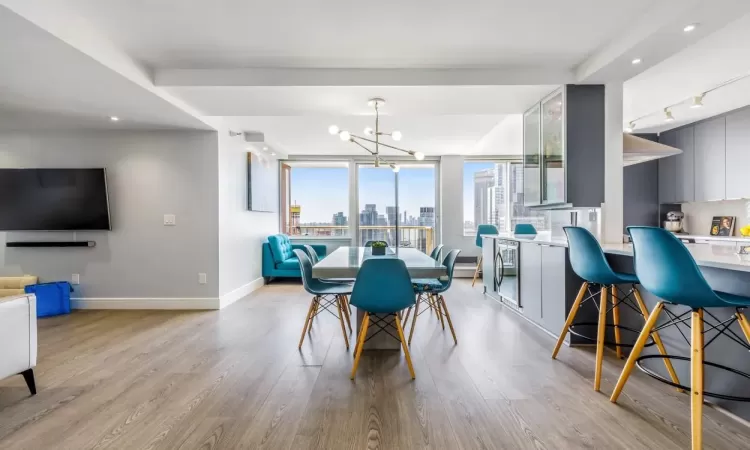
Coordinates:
506	138
241	232
149	174
698	215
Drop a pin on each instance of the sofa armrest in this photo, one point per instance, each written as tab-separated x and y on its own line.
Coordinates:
18	334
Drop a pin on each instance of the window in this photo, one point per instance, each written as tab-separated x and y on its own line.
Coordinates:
315	198
493	194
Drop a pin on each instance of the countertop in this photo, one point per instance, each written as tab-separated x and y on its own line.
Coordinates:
709	254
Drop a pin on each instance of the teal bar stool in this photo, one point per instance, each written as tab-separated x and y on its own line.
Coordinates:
383	289
666	268
588	262
524	228
430	290
326	297
481	231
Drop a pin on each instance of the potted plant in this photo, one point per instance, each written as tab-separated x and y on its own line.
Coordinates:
378	248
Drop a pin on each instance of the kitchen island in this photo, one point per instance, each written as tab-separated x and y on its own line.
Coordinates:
548	288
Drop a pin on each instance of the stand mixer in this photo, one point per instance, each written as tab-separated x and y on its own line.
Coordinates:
674	221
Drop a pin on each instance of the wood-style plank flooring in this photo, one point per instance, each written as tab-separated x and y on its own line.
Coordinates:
234	379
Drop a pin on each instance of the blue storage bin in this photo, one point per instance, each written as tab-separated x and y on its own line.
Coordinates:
52	299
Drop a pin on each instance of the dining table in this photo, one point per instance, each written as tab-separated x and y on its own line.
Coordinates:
345	262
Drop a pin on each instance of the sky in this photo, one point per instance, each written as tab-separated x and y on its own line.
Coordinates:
323	192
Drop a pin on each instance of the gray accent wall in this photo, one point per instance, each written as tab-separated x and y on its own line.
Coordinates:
641	191
149	174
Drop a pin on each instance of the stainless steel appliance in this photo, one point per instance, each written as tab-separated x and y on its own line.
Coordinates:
506	281
674	222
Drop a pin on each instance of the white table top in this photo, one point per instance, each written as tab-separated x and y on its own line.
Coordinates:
344	262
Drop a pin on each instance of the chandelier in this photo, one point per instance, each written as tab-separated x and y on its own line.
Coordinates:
375	137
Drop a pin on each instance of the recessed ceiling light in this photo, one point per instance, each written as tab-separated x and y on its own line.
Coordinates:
265	149
689	28
636	61
114	118
273	153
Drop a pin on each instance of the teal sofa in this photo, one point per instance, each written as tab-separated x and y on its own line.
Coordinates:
279	259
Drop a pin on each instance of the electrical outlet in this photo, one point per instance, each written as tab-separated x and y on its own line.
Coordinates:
170	220
75	279
202	278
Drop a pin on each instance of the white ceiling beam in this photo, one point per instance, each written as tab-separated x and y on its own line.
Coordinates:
361	77
63	23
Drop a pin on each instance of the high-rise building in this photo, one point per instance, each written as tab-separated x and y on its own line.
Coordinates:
427	216
484	181
339	219
392	215
294	217
406	221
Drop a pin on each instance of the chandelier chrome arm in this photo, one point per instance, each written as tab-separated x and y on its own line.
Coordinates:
410	152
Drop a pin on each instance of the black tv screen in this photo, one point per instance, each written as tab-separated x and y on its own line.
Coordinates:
53	199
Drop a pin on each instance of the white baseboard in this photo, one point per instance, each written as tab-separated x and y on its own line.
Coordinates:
242	291
145	303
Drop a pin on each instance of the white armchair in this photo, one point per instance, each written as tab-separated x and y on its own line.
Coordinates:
18	338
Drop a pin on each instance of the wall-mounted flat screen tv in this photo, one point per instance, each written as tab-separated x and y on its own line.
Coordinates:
53	200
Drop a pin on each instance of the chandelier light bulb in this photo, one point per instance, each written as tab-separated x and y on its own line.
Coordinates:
396	135
668	115
697	101
333	129
419	156
395	168
345	135
369	131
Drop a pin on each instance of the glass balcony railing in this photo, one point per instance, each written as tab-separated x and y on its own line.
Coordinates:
414	236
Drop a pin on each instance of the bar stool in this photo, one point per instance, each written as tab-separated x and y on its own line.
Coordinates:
588	262
482	230
668	270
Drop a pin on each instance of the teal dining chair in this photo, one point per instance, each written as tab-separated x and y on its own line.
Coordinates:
326	297
430	291
666	268
435	253
481	231
382	290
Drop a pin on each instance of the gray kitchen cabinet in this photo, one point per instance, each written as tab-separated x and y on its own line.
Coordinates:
668	170
553	288
738	154
710	160
531	281
488	264
685	166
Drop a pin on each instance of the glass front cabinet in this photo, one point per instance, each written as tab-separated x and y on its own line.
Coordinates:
563	148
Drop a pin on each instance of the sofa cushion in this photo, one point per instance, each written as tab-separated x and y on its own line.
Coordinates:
290	264
281	248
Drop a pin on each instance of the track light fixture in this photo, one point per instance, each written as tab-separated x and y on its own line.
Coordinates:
697	101
668	115
630	127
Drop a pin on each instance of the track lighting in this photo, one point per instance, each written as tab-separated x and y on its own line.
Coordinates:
668	115
630	127
697	101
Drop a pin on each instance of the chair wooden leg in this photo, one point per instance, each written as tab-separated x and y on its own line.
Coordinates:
616	320
439	310
361	343
657	339
571	317
314	313
744	324
636	352
404	346
414	319
406	316
345	309
339	306
600	335
441	299
696	379
307	321
476	272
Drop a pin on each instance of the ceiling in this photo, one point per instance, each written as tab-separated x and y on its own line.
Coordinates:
431	135
358	33
45	83
719	57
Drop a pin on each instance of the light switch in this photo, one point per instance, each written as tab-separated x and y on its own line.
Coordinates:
170	220
202	278
75	279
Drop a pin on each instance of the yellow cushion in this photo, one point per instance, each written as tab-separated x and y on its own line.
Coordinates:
14	285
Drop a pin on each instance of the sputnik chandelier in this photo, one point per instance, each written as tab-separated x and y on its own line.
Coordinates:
375	138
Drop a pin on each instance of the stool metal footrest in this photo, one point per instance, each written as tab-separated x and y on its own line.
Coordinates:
658	377
571	329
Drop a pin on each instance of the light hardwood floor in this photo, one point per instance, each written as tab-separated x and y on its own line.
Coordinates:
234	379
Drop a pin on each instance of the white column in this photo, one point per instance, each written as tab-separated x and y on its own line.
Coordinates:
612	209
